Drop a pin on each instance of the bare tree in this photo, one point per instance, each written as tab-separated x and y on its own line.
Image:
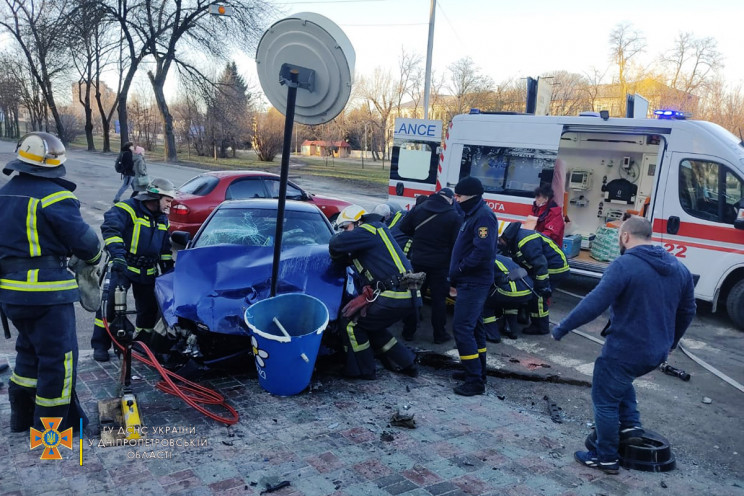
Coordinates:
379	92
690	67
625	43
268	135
467	85
10	98
568	93
593	83
411	74
39	29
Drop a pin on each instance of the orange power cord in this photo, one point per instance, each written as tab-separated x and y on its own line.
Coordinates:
191	393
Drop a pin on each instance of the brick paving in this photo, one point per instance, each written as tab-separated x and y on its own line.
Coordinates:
332	440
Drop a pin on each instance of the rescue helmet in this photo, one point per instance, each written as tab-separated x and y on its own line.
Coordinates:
502	226
383	210
157	188
40	154
350	214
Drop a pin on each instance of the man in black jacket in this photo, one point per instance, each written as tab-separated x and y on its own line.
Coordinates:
433	226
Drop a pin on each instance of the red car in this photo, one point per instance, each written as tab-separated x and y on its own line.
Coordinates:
196	199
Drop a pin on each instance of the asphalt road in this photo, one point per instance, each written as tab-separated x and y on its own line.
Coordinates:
710	433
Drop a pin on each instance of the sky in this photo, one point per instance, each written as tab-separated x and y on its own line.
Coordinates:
516	39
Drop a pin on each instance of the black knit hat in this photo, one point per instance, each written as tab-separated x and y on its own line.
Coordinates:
469	186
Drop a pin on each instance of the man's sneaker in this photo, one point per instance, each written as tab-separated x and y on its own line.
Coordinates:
469	389
100	355
632	436
590	459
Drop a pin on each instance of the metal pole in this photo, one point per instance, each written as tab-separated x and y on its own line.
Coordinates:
429	49
286	150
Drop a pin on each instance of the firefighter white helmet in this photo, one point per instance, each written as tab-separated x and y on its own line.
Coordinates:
350	214
502	226
158	188
39	154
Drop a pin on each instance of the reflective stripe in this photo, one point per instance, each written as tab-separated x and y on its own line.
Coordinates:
95	259
38	158
469	357
489	320
541	277
527	239
32	234
559	271
391	249
64	398
28	382
514	293
482	350
389	345
541	311
162	227
37	286
398	295
356	347
166	256
55	197
113	239
99	323
555	248
398	216
138	223
369	228
511	311
150	271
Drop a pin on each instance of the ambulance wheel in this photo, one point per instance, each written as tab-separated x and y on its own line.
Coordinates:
735	304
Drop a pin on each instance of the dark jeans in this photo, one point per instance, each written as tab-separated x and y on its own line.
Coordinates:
436	281
615	404
126	182
470	335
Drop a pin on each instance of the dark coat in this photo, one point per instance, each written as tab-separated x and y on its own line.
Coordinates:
433	225
475	247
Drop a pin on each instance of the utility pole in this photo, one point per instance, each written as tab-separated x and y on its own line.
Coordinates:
364	148
429	49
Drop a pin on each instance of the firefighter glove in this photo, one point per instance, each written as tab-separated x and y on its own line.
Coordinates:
119	265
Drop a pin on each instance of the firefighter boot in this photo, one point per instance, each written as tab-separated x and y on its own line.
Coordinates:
21	409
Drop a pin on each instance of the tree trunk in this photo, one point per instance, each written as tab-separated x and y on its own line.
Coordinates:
123	124
171	154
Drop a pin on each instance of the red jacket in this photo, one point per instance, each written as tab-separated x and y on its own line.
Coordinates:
550	221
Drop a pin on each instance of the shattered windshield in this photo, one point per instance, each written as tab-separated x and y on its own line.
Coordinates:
257	227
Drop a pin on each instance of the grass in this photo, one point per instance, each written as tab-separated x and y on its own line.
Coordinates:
347	169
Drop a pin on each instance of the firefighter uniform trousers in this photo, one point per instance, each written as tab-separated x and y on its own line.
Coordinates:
470	334
46	343
369	335
540	307
144	301
503	303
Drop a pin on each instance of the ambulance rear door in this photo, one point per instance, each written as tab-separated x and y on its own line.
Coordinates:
510	154
414	160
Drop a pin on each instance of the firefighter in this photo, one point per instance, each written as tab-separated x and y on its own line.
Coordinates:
546	265
135	232
471	272
512	288
385	297
42	227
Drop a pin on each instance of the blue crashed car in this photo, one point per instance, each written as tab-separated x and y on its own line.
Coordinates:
227	267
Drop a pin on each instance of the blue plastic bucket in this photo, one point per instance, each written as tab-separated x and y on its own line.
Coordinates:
285	363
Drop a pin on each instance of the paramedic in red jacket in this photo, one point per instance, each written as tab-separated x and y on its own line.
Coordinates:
549	215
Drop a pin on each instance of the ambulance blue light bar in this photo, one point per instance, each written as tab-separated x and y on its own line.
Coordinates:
475	111
669	114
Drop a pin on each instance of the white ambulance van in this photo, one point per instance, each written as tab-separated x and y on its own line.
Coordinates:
685	176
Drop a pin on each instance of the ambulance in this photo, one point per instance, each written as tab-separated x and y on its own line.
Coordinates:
685	176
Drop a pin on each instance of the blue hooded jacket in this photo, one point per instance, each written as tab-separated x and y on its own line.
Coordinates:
652	302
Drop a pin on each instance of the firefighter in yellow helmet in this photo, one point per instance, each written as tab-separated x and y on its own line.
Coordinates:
380	266
42	227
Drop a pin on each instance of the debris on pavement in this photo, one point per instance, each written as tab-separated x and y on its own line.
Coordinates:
387	436
403	420
271	489
554	410
707	400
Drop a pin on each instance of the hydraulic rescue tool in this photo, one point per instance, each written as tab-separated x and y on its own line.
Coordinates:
120	417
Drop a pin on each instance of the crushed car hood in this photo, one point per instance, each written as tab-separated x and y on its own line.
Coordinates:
212	286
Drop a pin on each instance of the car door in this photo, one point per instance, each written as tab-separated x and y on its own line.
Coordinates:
245	188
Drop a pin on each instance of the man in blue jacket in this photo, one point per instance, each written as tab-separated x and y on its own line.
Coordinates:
652	302
41	228
471	272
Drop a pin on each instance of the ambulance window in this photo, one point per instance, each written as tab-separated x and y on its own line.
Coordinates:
710	191
513	171
414	160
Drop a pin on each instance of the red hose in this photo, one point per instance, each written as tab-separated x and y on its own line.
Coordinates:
191	393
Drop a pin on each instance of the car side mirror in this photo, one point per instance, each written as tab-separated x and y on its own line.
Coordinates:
180	238
739	222
305	196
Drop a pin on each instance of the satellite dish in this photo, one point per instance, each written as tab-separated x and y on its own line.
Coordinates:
324	57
